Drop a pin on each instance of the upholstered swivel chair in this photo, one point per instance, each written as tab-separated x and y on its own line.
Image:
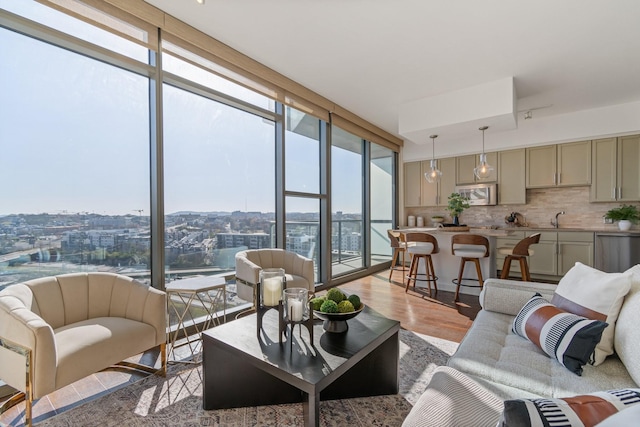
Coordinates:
470	248
421	246
298	269
520	252
398	245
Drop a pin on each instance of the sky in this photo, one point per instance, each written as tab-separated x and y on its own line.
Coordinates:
74	137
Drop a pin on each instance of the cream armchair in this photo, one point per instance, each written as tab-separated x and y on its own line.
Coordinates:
57	330
249	263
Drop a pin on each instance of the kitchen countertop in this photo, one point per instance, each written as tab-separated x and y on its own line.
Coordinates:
505	231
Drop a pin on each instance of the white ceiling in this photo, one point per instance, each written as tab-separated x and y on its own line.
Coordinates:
372	56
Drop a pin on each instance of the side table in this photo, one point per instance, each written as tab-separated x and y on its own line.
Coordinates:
205	293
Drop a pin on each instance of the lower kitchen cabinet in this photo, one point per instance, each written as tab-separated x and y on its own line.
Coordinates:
554	255
574	247
545	254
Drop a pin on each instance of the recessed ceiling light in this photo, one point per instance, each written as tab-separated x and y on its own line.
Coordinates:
200	1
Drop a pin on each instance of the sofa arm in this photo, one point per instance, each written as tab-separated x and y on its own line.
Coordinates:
247	270
508	296
21	327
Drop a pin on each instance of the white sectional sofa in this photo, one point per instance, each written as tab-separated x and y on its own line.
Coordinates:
59	329
493	364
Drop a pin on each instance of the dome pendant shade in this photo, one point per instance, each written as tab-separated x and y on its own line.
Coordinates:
484	169
434	174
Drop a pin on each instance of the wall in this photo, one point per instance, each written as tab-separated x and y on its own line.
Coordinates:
541	207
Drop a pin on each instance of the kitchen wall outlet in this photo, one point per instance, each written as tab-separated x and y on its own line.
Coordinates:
607	220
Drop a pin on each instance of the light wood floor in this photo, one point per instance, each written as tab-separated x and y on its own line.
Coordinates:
438	316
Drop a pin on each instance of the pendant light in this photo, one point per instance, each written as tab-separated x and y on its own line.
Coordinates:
484	169
434	174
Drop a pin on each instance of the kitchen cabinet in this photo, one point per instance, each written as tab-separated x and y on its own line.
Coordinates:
545	254
436	194
412	183
574	247
616	169
419	192
466	164
559	165
511	177
558	251
554	255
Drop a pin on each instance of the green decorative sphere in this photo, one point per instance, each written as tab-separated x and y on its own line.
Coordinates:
355	301
345	307
317	302
335	294
329	306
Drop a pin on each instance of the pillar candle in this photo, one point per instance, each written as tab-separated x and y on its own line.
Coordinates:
295	310
272	289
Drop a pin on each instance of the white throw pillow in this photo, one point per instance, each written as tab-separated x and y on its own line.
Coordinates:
596	295
627	336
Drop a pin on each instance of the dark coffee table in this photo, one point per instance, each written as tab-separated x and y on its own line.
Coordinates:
242	370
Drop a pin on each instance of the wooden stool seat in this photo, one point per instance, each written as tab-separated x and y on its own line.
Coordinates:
421	246
519	253
470	248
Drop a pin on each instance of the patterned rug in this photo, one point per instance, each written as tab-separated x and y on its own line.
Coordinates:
177	399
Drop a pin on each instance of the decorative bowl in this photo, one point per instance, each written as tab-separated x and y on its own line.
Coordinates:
336	322
437	219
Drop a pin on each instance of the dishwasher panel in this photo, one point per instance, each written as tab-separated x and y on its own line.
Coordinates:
616	252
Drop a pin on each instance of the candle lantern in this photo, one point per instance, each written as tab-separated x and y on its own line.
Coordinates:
295	302
272	281
295	309
268	292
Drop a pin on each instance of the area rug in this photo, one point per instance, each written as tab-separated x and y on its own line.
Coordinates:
177	399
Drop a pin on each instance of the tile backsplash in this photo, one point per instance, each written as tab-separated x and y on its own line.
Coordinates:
541	207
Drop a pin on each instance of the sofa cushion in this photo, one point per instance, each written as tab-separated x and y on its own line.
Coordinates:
584	410
594	294
492	352
570	338
627	335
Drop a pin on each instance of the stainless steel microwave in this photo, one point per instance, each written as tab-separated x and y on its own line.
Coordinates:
479	194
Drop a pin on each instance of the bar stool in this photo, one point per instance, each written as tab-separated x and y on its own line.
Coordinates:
519	252
421	246
399	246
470	248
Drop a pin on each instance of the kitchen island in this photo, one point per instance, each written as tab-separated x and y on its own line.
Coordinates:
446	264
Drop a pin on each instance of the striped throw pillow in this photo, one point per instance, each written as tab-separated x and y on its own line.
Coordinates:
586	410
567	337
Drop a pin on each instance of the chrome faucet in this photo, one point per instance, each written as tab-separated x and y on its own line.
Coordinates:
556	223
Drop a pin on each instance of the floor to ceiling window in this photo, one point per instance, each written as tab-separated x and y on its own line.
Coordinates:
303	184
381	177
74	144
98	176
219	168
347	237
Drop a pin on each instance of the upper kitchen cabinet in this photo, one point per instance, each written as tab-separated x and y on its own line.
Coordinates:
616	169
466	164
511	177
436	194
559	165
412	183
419	192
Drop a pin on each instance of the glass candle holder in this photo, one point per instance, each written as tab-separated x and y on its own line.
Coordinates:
296	304
271	280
